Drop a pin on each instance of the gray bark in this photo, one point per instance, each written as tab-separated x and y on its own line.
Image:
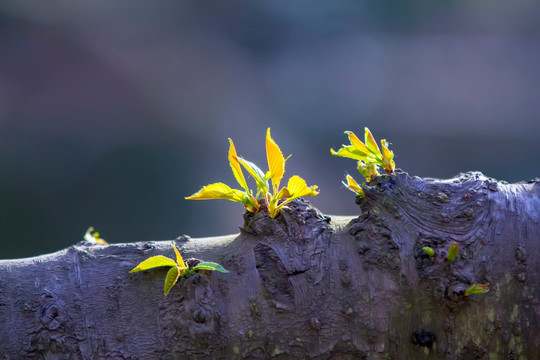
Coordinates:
303	285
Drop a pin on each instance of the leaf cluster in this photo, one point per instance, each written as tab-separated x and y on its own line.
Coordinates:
92	237
369	158
267	184
178	268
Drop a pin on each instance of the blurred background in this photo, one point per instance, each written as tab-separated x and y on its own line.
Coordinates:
112	112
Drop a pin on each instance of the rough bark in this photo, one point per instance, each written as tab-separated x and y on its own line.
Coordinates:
303	285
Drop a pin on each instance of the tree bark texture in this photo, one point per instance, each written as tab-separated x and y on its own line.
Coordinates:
302	285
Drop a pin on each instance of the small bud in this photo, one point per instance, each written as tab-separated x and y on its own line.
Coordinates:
315	324
477	289
429	251
453	251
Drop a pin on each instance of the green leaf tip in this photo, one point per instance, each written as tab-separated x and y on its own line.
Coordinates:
429	251
179	268
170	280
477	289
212	266
453	251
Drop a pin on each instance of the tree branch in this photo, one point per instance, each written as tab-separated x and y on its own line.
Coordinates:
302	285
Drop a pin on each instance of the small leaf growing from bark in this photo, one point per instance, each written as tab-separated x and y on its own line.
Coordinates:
92	237
453	251
276	161
477	289
178	268
181	265
172	277
352	185
276	198
369	156
154	262
210	266
429	251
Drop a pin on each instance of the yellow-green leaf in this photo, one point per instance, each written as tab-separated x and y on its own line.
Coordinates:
276	161
388	157
368	170
210	266
429	251
218	191
283	193
368	154
297	187
358	145
354	186
349	151
252	204
171	279
272	204
153	262
181	264
477	289
93	237
257	174
371	143
453	251
235	167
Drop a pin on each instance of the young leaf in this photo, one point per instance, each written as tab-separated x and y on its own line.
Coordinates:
370	142
257	174
283	193
182	267
276	161
388	158
351	152
477	289
354	186
93	237
368	170
235	167
429	251
453	251
178	268
88	235
297	187
218	191
210	266
272	203
251	204
357	150
358	145
171	279
153	262
369	155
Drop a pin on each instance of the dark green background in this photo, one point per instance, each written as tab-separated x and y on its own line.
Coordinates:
112	112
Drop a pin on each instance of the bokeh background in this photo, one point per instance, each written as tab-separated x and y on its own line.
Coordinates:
112	111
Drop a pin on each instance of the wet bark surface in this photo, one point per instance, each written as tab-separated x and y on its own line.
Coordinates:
303	285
